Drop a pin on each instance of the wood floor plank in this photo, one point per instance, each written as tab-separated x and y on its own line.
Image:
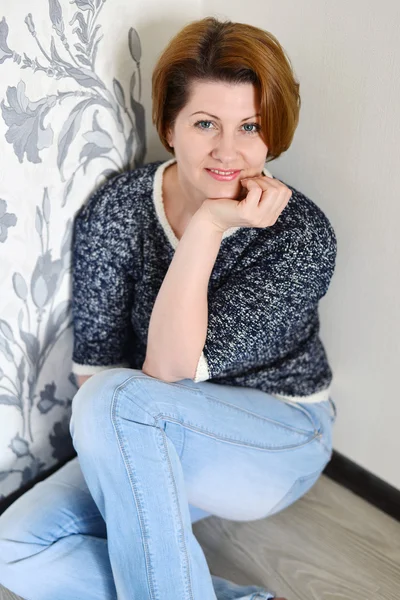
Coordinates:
329	545
7	595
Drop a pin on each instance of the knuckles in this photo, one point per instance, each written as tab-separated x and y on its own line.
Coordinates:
280	190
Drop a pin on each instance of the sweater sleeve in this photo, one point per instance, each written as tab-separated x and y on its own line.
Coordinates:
266	307
102	283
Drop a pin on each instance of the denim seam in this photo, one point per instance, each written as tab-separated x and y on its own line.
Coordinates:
197	428
256	416
231	406
193	427
329	452
129	471
240	411
182	528
132	379
299	479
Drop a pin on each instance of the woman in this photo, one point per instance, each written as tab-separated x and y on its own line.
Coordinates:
205	388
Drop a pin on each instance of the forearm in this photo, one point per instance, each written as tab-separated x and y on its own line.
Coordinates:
80	379
178	323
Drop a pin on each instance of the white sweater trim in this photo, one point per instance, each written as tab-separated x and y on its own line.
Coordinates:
202	373
320	396
79	369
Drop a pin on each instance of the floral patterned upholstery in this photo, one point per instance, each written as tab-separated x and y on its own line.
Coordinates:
67	123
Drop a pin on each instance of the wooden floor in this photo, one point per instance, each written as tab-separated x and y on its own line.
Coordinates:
329	545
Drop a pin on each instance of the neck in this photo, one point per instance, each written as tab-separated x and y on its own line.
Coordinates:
186	200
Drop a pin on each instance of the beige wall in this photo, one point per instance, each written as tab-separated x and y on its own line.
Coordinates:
346	157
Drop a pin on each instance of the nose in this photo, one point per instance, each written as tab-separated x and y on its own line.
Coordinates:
225	150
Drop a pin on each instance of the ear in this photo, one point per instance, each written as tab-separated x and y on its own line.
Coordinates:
168	135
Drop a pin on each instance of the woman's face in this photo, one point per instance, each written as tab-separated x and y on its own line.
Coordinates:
219	128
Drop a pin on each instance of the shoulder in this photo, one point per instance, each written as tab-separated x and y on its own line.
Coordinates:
307	218
316	238
303	225
118	198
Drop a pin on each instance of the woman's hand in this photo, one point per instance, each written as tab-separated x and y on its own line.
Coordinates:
264	200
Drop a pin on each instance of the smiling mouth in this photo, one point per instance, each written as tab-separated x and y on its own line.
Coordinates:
221	175
222	172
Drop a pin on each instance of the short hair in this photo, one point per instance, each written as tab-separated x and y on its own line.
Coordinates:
212	50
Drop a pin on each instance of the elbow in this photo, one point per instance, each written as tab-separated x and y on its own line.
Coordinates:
80	379
153	371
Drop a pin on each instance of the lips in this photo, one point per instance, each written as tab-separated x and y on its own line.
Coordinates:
222	174
223	171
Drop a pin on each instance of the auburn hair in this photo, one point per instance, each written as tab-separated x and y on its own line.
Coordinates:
212	50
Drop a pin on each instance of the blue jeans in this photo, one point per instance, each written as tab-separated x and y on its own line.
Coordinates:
153	458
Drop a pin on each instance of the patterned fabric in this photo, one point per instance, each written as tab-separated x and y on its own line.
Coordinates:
263	293
71	116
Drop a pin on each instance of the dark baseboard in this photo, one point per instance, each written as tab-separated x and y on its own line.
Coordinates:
341	469
363	483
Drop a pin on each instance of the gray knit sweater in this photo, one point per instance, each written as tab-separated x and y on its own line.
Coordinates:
263	292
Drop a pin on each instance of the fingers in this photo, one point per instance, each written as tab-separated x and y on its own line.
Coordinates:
266	197
273	188
278	191
254	193
263	181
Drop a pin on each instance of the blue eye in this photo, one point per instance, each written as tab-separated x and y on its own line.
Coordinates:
207	125
256	130
200	122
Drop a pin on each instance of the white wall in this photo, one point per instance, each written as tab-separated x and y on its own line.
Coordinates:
346	157
156	25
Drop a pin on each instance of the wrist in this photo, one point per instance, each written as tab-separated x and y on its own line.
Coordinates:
205	216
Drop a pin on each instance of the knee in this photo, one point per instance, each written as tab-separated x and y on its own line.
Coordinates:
91	407
96	393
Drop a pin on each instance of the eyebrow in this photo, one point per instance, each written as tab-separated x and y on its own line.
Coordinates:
203	112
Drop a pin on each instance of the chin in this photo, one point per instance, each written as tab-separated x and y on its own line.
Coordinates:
230	189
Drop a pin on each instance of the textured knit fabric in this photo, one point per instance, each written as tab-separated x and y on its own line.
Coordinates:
263	292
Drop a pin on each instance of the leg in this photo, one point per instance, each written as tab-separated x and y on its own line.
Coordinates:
52	542
148	448
56	529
